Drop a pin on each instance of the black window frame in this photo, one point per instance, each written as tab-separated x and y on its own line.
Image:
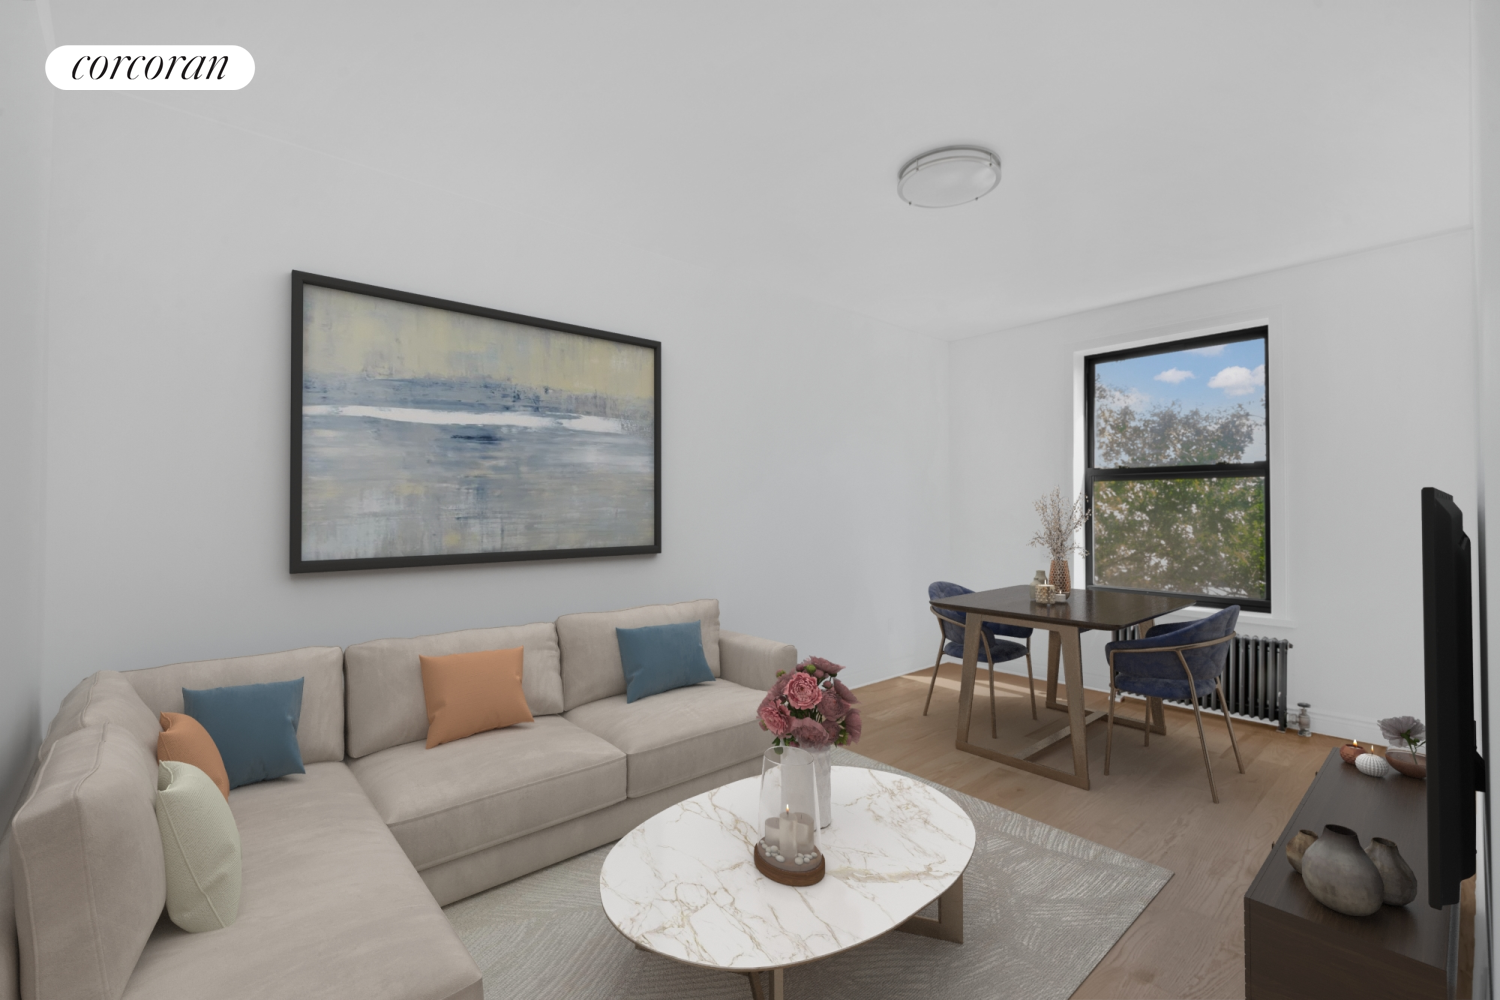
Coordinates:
1217	471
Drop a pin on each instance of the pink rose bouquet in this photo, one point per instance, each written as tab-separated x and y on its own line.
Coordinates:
810	707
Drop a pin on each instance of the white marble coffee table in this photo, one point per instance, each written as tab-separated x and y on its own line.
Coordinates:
683	883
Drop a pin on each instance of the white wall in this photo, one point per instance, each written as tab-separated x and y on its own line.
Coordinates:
1372	398
808	478
1486	195
804	447
25	139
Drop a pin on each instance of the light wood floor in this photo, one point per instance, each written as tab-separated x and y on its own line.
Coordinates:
1155	805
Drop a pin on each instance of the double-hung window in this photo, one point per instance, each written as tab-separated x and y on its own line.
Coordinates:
1178	470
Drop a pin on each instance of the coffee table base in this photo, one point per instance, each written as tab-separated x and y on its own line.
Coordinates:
949	926
778	985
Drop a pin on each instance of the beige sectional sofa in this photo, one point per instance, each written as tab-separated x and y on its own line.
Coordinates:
345	867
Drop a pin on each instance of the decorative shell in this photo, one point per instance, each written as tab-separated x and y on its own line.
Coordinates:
1374	766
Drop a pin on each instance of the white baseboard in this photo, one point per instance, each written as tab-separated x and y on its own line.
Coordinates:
1344	727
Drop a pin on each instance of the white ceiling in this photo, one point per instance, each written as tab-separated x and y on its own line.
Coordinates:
1146	146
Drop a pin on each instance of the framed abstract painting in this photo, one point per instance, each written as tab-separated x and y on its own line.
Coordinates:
428	432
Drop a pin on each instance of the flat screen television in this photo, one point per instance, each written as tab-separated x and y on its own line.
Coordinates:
1453	767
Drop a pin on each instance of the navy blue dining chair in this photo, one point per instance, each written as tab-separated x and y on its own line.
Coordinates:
996	650
1174	661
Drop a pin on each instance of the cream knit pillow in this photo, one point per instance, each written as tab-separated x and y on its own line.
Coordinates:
201	845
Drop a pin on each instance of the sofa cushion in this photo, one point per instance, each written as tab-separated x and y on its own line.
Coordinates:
320	730
90	882
386	705
106	696
591	667
201	848
329	908
470	693
184	739
254	727
461	797
658	658
678	735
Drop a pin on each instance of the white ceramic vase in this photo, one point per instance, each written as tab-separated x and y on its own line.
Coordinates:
823	769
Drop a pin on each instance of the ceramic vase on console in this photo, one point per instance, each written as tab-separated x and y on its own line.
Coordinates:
1059	577
1396	876
1408	762
1340	875
1297	846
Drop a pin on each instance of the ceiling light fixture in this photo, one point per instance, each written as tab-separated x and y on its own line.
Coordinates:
949	176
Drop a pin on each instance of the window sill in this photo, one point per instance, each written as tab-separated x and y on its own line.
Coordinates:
1260	618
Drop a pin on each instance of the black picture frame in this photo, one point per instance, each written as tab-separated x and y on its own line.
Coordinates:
297	564
1262	469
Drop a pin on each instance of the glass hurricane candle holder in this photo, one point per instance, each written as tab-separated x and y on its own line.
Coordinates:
788	851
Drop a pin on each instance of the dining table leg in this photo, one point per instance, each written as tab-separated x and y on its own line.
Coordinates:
1054	653
1072	656
1064	651
972	631
1055	647
1009	606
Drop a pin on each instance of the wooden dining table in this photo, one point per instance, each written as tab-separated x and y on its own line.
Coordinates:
1064	622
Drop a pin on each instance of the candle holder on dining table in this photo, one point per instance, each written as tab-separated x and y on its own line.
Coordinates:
788	851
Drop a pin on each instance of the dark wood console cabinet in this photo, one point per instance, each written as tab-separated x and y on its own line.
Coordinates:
1298	949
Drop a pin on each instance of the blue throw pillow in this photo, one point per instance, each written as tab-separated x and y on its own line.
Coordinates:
659	658
253	725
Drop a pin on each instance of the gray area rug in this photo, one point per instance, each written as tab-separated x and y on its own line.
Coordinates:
1041	908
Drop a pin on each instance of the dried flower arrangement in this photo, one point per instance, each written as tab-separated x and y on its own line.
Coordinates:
1060	523
810	707
1405	729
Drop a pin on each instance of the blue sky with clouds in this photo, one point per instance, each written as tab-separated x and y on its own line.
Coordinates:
1205	378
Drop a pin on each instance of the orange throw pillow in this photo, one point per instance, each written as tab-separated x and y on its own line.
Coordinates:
183	738
470	693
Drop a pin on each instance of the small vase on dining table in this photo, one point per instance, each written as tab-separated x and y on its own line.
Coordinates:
1059	577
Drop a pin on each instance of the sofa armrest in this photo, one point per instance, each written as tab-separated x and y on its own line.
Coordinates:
10	954
752	662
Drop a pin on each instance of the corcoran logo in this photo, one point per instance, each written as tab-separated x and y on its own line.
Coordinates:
150	67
